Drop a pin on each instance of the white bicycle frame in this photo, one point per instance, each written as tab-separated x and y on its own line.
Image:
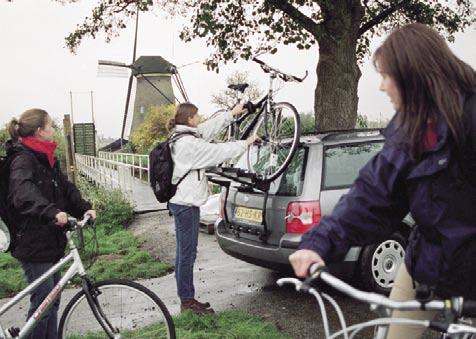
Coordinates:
75	268
377	302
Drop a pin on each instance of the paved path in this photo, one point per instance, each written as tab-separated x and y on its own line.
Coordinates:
143	197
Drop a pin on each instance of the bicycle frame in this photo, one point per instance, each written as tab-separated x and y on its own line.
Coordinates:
452	327
76	268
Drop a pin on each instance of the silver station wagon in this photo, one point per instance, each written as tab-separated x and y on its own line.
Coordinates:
322	170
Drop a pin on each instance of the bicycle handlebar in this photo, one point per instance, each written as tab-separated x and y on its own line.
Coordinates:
286	77
74	223
456	304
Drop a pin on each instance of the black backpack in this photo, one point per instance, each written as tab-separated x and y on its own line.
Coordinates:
5	211
162	168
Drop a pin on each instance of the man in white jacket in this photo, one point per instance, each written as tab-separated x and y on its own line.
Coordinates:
191	155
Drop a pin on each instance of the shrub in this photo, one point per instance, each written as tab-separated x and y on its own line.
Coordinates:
153	129
113	209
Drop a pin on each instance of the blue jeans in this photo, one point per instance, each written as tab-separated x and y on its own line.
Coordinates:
47	326
187	224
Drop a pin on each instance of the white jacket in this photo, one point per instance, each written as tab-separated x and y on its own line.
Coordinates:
196	154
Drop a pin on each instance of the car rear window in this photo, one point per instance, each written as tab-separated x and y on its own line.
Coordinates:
343	162
290	182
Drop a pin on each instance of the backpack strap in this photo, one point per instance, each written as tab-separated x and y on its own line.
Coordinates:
175	136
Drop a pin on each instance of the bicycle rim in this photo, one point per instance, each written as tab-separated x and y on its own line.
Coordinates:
280	131
227	132
132	310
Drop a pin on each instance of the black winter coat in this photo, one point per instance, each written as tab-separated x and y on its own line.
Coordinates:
37	193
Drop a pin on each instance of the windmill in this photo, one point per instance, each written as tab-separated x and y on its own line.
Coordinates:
153	76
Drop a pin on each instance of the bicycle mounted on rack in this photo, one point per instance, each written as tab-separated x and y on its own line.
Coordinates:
452	309
278	127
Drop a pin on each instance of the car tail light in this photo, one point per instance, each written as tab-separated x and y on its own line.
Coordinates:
301	215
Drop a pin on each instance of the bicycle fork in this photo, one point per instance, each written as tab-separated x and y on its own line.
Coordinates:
92	294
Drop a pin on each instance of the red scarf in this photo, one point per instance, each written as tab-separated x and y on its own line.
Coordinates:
431	137
42	146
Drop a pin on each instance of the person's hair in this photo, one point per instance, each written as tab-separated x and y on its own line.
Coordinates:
28	123
182	114
431	81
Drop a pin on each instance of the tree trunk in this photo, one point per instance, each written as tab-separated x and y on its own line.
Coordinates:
338	74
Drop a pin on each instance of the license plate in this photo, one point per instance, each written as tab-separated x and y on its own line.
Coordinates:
249	214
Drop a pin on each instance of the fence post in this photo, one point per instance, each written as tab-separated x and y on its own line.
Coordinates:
69	149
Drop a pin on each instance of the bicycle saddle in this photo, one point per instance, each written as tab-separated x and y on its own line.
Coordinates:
238	87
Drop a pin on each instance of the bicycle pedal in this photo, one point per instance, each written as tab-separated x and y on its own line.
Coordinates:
14	331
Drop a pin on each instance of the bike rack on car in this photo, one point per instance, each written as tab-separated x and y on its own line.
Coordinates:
223	176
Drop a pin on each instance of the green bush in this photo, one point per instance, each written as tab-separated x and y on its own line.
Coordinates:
114	211
4	136
308	123
153	129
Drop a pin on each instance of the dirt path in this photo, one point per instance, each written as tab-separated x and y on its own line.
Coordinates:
157	234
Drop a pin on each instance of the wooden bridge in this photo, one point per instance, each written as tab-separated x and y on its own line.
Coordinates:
126	172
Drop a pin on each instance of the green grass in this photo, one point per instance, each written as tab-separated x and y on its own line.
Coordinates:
119	253
223	325
228	324
11	276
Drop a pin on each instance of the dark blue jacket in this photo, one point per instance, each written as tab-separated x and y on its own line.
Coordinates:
440	193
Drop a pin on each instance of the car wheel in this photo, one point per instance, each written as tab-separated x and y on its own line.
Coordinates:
379	263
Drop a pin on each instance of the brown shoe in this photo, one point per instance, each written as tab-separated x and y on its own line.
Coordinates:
195	307
205	304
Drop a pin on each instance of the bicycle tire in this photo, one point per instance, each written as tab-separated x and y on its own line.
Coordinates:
132	309
270	165
226	134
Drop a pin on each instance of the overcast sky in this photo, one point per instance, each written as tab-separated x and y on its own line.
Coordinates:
38	71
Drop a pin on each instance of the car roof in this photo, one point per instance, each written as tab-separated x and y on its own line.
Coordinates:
343	136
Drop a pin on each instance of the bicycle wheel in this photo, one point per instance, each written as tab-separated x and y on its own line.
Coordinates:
130	309
280	130
227	133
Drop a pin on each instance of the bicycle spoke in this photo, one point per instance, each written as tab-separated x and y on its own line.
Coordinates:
132	311
279	131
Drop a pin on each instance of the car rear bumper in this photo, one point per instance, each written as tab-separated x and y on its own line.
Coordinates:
272	256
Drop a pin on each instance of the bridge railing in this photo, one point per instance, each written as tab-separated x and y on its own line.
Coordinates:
106	173
138	162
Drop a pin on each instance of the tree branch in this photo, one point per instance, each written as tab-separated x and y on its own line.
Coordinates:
382	16
307	23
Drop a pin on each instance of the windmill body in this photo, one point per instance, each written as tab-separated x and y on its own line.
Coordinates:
153	86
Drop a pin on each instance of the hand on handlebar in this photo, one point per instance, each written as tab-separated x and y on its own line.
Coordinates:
61	219
91	214
252	139
238	109
302	260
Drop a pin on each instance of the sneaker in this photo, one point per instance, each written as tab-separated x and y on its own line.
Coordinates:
196	307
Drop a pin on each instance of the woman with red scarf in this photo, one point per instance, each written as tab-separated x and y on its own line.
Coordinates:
40	197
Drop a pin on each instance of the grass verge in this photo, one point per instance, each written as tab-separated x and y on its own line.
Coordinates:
224	325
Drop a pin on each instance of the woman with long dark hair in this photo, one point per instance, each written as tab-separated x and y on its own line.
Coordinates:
427	167
40	196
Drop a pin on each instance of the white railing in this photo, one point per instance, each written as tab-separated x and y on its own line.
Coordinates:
138	162
106	173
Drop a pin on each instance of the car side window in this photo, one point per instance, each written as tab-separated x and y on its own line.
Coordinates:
343	162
